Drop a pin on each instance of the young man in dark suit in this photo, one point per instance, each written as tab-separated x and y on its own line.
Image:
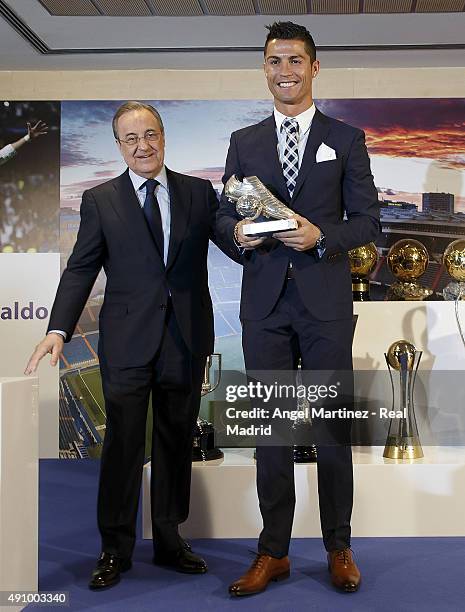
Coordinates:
296	290
149	229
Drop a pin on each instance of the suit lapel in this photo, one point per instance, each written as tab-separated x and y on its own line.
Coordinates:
128	209
318	132
269	145
180	208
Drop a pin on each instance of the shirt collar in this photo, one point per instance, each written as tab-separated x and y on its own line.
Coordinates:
304	119
138	181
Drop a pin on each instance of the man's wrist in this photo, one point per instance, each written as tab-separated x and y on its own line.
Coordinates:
320	244
26	138
236	232
59	332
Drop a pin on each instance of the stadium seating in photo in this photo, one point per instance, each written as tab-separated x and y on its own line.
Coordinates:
77	352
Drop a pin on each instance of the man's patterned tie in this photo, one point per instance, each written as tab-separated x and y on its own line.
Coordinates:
290	161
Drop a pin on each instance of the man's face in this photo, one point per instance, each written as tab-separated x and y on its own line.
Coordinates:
289	72
144	158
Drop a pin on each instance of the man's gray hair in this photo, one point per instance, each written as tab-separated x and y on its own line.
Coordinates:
133	105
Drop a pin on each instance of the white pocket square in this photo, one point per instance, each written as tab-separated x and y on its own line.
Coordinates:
325	153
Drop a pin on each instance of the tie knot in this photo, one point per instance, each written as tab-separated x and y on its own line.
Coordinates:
290	125
150	185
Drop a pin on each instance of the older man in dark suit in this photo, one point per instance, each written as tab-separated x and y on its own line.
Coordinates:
149	229
296	290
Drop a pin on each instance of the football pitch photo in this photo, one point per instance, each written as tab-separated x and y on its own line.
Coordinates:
86	387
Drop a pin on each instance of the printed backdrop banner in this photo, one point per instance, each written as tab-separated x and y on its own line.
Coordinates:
416	150
28	285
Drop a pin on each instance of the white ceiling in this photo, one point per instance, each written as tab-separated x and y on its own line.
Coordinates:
231	42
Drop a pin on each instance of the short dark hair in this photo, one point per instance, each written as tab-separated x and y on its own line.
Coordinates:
133	105
287	30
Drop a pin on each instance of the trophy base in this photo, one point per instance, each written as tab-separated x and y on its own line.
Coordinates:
207	455
204	448
408	291
409	449
305	454
360	290
267	228
454	291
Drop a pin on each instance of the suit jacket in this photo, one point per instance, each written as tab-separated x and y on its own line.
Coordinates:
114	234
324	193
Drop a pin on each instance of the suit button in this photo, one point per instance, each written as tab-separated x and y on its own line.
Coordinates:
162	306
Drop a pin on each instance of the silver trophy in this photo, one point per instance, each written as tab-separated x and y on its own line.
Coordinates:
204	448
253	200
303	454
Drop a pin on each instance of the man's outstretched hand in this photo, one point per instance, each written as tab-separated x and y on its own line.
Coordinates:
53	344
39	129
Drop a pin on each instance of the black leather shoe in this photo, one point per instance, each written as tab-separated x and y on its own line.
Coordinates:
107	571
183	560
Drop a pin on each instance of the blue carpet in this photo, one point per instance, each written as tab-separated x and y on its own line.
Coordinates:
399	574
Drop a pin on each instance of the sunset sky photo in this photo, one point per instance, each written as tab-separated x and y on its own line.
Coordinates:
415	145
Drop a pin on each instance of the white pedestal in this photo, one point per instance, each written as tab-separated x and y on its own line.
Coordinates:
19	484
422	498
28	286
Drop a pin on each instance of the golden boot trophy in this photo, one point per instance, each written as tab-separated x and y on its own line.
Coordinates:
255	202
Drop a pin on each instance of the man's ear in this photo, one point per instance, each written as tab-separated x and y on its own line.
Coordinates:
315	68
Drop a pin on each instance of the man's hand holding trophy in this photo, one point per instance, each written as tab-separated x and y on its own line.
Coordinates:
256	204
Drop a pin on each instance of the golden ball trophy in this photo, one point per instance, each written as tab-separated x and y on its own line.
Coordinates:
204	448
408	259
362	261
403	441
454	262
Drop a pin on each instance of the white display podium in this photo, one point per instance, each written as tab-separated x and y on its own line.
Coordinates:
29	282
422	498
19	449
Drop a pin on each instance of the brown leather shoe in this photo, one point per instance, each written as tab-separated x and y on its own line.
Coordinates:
261	572
345	574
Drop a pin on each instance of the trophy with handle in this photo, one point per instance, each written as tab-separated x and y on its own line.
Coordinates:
403	441
204	448
255	202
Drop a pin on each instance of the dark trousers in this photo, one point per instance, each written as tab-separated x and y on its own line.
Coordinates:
276	343
174	377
